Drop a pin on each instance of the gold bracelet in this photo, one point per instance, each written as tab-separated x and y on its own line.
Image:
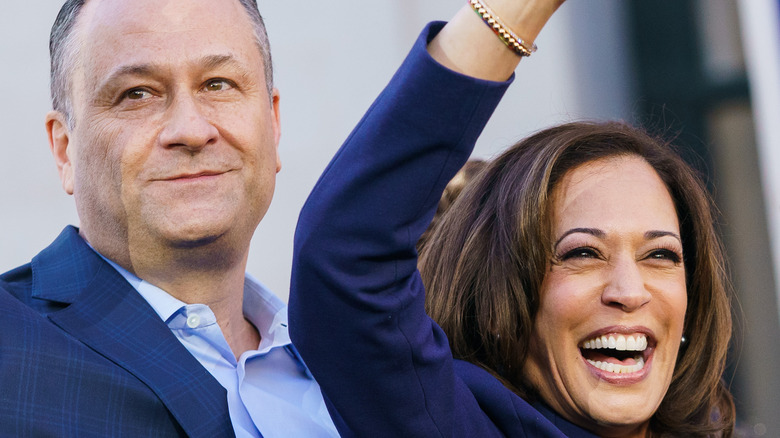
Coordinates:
504	33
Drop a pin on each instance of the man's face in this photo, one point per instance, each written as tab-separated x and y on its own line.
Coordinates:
175	136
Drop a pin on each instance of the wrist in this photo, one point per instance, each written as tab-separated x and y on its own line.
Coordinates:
525	18
505	34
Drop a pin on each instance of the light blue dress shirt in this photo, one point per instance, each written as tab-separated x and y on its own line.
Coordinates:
269	389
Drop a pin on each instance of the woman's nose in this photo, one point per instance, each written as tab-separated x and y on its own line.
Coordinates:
625	287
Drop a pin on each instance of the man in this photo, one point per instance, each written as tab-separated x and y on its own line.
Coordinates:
142	321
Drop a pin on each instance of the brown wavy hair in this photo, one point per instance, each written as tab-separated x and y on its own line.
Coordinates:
453	190
484	264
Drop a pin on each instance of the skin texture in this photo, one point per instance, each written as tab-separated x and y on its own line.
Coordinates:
617	268
173	156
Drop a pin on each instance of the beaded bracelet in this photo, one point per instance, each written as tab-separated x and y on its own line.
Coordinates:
504	33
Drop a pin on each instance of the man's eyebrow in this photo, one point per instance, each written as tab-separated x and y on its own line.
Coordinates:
208	62
107	84
131	70
213	61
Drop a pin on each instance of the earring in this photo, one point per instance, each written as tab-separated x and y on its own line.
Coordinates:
683	340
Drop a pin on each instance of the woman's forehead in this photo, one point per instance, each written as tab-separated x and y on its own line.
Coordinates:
622	192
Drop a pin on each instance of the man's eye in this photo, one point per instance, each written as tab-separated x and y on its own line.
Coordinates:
217	85
137	94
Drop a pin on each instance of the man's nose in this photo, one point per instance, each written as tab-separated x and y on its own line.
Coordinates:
626	287
187	125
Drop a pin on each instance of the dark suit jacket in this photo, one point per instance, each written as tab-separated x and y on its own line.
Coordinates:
357	302
83	354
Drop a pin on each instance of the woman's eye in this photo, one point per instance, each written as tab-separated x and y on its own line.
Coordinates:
665	254
217	85
580	253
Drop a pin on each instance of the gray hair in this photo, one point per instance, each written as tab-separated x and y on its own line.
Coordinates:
64	52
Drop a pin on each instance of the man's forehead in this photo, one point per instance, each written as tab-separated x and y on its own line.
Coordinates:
117	32
139	16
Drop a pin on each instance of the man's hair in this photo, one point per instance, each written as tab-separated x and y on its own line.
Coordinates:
485	261
64	52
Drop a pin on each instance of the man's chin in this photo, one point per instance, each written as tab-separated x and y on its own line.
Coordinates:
209	251
194	240
178	233
188	228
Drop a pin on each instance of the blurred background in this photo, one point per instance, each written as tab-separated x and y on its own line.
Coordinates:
706	72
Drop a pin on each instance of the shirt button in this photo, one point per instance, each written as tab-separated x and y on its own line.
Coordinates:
193	321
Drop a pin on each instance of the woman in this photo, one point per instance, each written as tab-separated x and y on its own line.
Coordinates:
357	303
507	315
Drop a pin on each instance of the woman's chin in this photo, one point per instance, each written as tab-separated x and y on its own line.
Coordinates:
621	430
617	414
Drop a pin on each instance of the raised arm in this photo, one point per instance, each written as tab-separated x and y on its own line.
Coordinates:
357	311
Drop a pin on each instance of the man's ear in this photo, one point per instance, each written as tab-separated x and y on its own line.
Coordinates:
59	142
277	126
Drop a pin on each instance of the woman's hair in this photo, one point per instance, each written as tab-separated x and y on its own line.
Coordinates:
484	264
456	185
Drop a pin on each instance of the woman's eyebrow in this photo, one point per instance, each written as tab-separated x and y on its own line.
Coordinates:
655	234
592	231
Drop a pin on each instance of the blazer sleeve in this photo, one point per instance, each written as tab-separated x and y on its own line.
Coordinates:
357	312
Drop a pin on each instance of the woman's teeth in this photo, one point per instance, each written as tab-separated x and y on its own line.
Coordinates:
618	368
619	342
616	365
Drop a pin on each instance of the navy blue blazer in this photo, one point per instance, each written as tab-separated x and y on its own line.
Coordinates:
83	354
357	311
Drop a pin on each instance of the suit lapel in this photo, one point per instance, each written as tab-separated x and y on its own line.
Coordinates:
110	317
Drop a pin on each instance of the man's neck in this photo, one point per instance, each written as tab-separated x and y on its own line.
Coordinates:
222	290
213	276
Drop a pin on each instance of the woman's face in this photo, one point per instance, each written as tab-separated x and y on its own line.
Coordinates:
612	302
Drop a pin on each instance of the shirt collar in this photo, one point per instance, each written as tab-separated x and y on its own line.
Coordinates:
261	307
162	302
268	314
